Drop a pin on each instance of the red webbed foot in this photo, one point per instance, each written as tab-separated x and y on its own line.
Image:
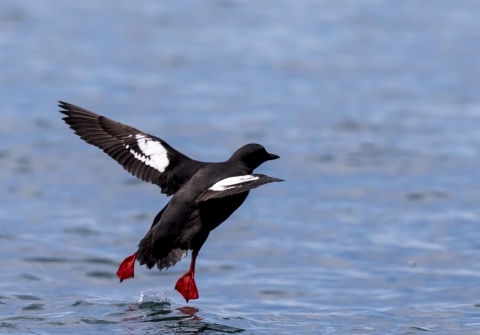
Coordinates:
187	287
126	269
186	284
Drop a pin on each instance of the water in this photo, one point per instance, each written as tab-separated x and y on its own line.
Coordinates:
373	107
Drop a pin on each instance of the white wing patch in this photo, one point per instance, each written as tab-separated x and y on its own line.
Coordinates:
232	182
154	154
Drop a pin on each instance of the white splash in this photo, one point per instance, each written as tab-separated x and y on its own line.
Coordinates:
232	182
149	296
154	154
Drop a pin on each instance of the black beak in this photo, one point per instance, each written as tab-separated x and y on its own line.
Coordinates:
272	157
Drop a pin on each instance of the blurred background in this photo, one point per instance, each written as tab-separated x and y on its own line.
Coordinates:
373	107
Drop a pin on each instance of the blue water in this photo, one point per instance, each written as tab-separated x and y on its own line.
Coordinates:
373	106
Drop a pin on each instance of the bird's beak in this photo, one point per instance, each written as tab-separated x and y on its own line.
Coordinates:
272	156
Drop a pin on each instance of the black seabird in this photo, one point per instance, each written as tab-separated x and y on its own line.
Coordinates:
205	194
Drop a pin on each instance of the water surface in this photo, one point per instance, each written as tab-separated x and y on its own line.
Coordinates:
373	107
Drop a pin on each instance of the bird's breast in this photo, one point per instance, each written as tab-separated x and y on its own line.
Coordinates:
215	211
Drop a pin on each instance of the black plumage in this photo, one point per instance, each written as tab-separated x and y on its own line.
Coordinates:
205	194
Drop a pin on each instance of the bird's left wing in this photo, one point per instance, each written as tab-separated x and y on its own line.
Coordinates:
234	185
145	156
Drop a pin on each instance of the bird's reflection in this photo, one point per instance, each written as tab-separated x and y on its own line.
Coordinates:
188	310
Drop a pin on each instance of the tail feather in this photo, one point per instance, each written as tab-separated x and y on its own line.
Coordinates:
145	254
171	259
145	250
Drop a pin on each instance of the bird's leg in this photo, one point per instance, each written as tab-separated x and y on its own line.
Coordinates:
186	284
125	270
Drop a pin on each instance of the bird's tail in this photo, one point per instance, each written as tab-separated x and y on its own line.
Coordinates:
145	250
145	254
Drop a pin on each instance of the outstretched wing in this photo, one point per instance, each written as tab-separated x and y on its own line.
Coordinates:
145	156
235	185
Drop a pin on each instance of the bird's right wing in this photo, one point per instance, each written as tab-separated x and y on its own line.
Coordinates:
145	156
235	185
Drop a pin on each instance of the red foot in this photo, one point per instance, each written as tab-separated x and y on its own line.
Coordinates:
186	284
125	270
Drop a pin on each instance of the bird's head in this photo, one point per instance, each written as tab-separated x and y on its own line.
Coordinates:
252	155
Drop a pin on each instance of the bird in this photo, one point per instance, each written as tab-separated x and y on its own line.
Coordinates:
203	194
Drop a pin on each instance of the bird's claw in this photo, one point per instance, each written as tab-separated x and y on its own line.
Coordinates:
126	269
186	286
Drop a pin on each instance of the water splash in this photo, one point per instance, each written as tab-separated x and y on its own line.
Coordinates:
148	296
